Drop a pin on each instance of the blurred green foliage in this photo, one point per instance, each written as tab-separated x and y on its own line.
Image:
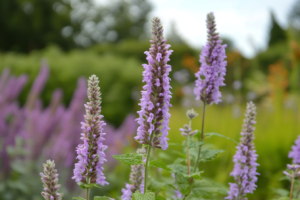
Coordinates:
118	66
119	77
277	34
32	24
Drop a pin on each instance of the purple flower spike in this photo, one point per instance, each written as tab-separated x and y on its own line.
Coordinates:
245	165
91	153
155	102
295	153
50	180
213	67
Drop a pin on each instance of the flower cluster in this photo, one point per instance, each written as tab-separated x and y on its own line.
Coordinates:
244	171
137	178
155	102
213	67
91	154
50	179
295	153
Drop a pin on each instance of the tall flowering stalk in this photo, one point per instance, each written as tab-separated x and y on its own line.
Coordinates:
50	180
212	71
155	102
245	165
137	179
91	153
295	152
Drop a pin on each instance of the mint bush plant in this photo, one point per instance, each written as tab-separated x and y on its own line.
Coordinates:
183	179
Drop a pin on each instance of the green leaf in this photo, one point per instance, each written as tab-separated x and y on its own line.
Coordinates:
82	185
78	198
193	175
172	186
160	198
155	186
208	135
281	192
284	198
147	196
130	158
102	198
182	183
209	154
145	145
159	164
207	189
92	185
178	168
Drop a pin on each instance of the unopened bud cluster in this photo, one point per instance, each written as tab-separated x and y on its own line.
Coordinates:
191	114
50	180
187	131
294	169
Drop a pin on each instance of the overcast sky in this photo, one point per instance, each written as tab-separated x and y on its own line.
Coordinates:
246	22
240	20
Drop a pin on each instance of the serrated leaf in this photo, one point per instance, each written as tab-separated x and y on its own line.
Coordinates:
130	158
207	189
78	198
182	183
193	175
220	135
155	186
102	198
147	196
82	185
209	154
178	168
159	164
160	198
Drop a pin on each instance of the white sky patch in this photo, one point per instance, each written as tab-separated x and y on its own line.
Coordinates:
240	21
246	23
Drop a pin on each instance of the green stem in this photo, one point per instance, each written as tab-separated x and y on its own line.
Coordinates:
292	186
202	137
87	193
298	191
146	168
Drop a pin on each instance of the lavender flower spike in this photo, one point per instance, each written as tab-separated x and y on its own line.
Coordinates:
91	153
295	153
137	179
50	179
244	171
155	102
213	67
